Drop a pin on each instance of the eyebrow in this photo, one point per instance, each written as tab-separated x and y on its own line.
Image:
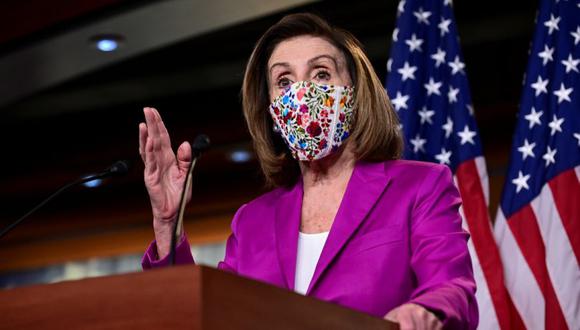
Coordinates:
310	61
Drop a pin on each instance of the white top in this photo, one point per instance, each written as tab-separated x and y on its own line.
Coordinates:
309	250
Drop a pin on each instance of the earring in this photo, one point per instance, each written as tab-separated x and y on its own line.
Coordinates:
276	128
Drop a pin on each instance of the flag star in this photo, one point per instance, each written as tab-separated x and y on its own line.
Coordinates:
549	156
556	125
456	65
521	181
546	54
426	115
400	102
396	34
470	109
389	64
414	43
563	93
418	144
448	127
527	149
444	26
576	35
422	16
401	7
452	94
407	71
552	24
540	86
433	87
439	57
534	117
577	136
447	2
444	157
571	63
467	136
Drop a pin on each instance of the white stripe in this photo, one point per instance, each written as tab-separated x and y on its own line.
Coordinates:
560	258
577	170
483	177
487	315
519	280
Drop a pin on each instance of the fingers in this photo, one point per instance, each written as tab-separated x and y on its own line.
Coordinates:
407	321
412	316
163	135
184	156
142	140
150	163
152	127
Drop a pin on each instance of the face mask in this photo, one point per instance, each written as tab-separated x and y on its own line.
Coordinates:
313	119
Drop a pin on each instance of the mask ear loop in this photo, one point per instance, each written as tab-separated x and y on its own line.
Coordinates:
334	121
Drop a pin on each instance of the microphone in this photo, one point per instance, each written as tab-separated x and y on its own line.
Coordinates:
118	168
200	144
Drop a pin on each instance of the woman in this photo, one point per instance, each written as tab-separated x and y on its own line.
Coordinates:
347	222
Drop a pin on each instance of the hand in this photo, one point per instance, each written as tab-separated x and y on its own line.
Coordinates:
164	175
413	316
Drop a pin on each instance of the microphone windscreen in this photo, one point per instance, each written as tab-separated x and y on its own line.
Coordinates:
200	144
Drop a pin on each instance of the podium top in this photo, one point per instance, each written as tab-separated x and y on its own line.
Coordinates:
183	297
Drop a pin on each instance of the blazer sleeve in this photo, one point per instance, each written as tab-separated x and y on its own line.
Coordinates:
230	262
440	258
183	255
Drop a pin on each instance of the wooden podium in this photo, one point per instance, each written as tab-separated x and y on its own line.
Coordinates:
182	297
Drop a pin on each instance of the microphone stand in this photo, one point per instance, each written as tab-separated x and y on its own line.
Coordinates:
120	167
201	143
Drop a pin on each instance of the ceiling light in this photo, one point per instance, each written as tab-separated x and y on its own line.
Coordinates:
107	42
240	156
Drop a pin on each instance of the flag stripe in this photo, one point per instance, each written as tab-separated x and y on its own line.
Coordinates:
520	282
524	226
487	313
483	177
560	261
563	186
477	218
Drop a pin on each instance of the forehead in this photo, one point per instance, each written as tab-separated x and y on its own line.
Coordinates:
299	50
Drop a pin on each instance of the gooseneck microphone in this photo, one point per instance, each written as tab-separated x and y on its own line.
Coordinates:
200	144
118	168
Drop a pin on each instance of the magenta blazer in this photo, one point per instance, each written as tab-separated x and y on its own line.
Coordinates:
396	239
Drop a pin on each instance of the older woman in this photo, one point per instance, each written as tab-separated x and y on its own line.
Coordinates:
347	222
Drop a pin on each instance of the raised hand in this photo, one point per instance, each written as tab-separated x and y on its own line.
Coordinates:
164	175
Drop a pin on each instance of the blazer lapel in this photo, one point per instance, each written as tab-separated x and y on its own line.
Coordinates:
287	224
366	185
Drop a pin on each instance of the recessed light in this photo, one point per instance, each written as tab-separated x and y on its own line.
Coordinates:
240	156
107	42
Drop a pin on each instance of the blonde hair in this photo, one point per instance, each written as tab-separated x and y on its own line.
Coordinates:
375	133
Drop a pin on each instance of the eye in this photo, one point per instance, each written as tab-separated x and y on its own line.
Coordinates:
322	75
283	82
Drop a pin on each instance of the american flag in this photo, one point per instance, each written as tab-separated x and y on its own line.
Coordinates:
428	87
538	223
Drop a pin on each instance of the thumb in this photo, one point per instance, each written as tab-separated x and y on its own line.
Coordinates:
184	156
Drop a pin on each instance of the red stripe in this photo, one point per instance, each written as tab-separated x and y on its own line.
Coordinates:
566	191
477	217
524	227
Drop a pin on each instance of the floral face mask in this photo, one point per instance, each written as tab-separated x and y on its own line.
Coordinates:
313	119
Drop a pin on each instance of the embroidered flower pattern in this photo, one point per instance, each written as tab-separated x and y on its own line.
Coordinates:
314	119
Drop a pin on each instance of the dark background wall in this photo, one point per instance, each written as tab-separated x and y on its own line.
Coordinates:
81	124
